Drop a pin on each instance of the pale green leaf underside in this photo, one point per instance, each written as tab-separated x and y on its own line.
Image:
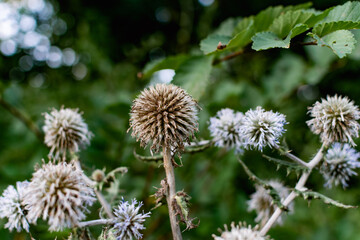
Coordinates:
172	62
341	42
209	44
266	40
193	75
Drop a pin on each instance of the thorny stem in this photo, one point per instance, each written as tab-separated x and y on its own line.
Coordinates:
94	223
170	178
292	157
26	120
102	200
299	186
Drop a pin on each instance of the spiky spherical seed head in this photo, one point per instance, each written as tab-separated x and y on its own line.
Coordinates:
128	221
58	193
335	120
164	115
225	130
262	128
340	162
11	207
262	202
240	232
65	130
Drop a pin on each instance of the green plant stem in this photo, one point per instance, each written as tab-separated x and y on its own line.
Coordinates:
299	186
26	120
170	178
292	157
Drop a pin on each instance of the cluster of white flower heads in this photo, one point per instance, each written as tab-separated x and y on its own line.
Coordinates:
262	128
58	193
225	129
128	221
65	130
240	232
262	202
11	207
335	120
340	162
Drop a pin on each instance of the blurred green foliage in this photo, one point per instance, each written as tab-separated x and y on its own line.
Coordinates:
115	40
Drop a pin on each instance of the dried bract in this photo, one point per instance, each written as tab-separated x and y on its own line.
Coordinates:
164	115
335	120
65	130
59	194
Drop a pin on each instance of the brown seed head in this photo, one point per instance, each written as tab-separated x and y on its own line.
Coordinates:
164	115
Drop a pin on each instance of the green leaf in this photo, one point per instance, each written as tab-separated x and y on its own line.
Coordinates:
309	195
210	44
342	42
243	38
273	193
346	16
266	40
290	166
172	62
193	75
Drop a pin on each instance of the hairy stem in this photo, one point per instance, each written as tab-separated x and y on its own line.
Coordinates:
26	120
299	186
170	178
94	223
100	197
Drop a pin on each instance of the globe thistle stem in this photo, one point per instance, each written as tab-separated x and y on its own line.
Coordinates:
100	197
292	157
170	177
300	185
95	223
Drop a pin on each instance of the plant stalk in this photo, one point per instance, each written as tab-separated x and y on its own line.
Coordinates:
299	186
94	223
170	178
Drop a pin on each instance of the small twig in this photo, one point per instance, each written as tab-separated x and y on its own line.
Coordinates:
292	157
26	120
95	223
308	43
299	186
228	57
102	200
170	178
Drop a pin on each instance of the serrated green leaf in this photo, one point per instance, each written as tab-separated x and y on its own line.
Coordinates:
227	27
243	38
266	40
193	75
346	16
308	195
290	166
342	42
172	62
209	44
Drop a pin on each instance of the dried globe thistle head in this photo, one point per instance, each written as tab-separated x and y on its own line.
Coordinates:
128	221
65	130
165	115
262	128
335	120
11	207
225	129
240	232
340	162
58	193
262	202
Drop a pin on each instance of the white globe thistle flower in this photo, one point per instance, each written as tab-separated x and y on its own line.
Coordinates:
240	232
128	221
58	193
65	130
340	162
225	129
262	202
335	120
263	128
11	207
